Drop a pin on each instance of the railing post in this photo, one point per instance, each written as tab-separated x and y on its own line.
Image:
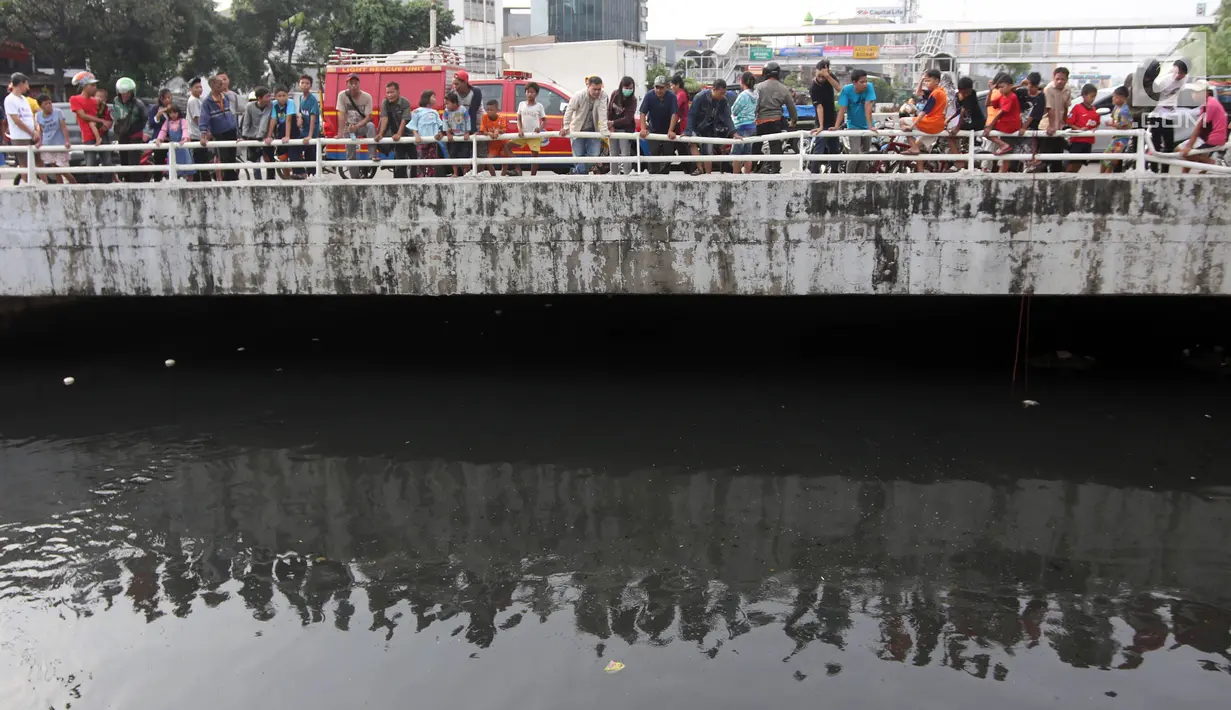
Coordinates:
172	166
637	143
1141	150
474	156
803	165
320	157
972	150
31	165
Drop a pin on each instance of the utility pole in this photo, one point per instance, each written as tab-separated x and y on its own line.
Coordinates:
431	15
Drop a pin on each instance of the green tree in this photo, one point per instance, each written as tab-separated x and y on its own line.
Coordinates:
384	26
884	90
655	71
1218	42
1012	43
114	37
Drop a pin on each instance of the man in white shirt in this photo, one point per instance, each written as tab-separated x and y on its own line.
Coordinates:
1162	120
23	129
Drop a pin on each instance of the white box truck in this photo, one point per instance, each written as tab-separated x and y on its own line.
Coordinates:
567	64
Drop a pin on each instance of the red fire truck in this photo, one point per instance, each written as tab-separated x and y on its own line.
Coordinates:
419	71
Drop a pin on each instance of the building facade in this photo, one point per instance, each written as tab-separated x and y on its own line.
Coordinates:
587	20
482	23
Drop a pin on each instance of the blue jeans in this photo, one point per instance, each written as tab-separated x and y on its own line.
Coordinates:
585	148
744	132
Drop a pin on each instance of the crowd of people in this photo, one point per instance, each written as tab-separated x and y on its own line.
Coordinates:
287	122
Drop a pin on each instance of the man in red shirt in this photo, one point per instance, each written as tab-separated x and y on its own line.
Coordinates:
85	107
1083	117
681	112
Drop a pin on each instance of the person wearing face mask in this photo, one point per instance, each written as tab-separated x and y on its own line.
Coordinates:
622	117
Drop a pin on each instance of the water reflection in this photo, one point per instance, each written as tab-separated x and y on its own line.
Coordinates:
956	574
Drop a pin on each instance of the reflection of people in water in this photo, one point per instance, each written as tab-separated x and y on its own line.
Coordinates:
1205	628
1149	629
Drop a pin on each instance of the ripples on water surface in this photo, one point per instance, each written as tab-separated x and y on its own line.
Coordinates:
228	536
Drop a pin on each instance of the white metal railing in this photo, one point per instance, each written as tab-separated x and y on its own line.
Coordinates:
971	158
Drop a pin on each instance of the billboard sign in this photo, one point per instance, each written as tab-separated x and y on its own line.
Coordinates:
870	51
761	54
840	52
813	51
886	12
898	50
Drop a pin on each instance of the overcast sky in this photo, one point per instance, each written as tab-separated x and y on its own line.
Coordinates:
688	19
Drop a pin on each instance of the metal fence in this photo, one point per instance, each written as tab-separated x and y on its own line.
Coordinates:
889	152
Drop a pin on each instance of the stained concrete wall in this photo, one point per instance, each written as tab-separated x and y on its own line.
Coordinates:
780	235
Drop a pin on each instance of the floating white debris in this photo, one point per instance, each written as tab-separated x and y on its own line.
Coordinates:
1064	354
140	479
68	381
1218	349
1029	403
1208	417
1187	352
240	350
169	363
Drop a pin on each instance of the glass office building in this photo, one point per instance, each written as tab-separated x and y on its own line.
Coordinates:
584	20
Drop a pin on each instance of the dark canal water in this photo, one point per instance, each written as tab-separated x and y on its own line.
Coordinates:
340	523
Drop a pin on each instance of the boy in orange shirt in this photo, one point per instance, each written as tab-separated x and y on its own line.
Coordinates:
493	126
932	103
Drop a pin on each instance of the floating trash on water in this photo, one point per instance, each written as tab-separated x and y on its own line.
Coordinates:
1187	352
240	350
316	340
614	667
1064	354
499	312
1028	403
68	381
1208	417
140	479
105	492
1219	349
169	363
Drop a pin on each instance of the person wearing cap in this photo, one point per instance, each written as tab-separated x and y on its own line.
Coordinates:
84	106
354	108
129	115
23	130
658	114
471	98
1211	127
586	113
772	95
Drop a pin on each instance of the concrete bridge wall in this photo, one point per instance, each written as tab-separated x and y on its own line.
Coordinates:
947	234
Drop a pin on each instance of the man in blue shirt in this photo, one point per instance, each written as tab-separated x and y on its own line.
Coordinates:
855	104
217	123
309	125
658	114
710	117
